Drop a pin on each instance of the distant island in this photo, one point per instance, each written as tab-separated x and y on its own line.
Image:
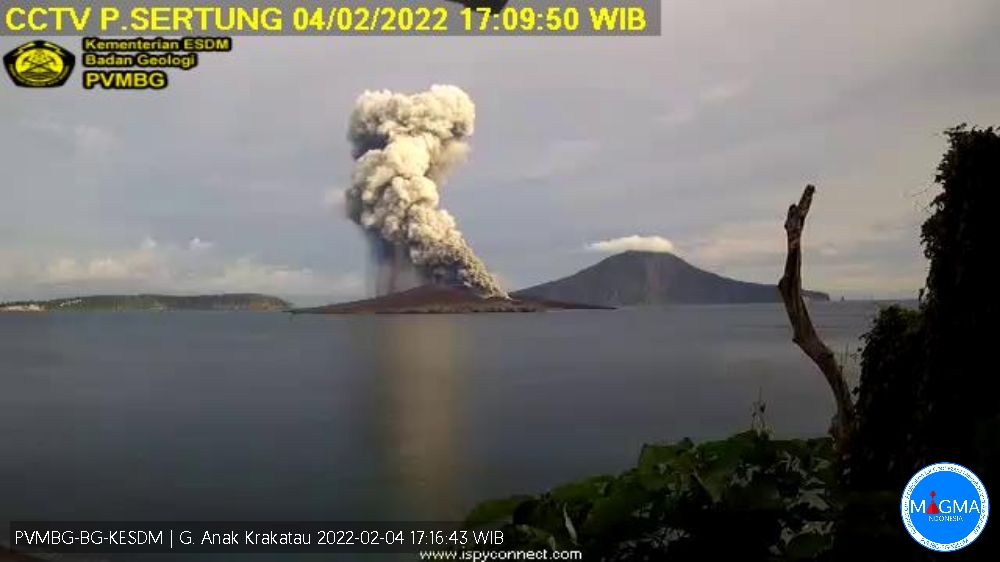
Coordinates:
440	299
128	303
626	279
636	278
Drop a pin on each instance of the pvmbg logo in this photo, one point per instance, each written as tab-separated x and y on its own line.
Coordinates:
945	507
39	64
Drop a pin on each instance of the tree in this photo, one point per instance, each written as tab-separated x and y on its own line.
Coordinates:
960	423
804	333
923	397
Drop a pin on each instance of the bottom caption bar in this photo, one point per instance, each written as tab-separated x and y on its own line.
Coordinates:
107	537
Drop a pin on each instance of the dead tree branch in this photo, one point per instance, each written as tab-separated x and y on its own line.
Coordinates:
804	334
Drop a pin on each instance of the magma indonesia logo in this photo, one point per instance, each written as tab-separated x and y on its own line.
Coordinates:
945	507
39	64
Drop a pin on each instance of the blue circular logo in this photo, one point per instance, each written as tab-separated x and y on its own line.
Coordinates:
945	507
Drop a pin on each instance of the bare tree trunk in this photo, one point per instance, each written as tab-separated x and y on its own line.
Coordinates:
804	334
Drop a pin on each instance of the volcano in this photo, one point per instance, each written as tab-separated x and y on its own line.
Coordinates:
636	278
442	299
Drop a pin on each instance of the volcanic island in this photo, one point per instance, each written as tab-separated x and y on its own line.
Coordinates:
403	146
443	299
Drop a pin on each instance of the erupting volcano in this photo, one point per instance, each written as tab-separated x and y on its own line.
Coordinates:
404	146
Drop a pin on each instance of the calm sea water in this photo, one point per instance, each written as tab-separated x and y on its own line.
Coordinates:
264	417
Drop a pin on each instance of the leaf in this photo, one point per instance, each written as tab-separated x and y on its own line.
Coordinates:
493	511
544	514
807	546
667	467
761	494
653	457
569	526
527	537
718	462
588	490
750	487
617	510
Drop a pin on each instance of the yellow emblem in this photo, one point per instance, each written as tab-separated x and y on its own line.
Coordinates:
39	64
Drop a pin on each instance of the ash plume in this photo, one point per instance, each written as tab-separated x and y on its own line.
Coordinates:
404	146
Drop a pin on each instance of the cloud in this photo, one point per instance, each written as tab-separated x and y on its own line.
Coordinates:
179	269
870	280
735	244
694	134
725	91
560	157
88	143
679	115
857	259
763	242
65	270
199	245
687	111
635	242
247	274
90	139
333	198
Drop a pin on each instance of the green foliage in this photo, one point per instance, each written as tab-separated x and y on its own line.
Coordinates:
924	371
959	235
924	394
962	304
868	528
747	496
883	444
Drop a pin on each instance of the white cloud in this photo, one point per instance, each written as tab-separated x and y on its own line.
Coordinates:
67	270
740	243
250	275
333	198
171	268
192	162
687	111
764	242
84	150
857	259
90	139
679	115
868	281
199	245
561	157
85	138
635	242
725	91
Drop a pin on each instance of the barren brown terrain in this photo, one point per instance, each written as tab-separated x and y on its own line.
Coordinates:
441	299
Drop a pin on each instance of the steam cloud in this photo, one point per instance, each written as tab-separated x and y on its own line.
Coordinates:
404	146
634	242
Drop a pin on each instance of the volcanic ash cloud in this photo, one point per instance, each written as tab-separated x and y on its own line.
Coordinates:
404	146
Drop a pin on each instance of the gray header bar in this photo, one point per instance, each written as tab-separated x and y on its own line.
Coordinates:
620	18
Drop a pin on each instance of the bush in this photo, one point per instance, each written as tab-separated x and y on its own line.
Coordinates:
884	449
962	421
747	497
923	396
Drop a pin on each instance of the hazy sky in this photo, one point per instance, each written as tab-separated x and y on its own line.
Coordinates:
230	180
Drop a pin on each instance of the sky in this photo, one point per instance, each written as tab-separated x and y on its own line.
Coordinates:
693	142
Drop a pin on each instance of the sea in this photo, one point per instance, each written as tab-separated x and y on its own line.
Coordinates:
272	417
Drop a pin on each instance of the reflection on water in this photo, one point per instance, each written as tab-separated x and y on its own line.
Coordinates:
418	409
327	418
